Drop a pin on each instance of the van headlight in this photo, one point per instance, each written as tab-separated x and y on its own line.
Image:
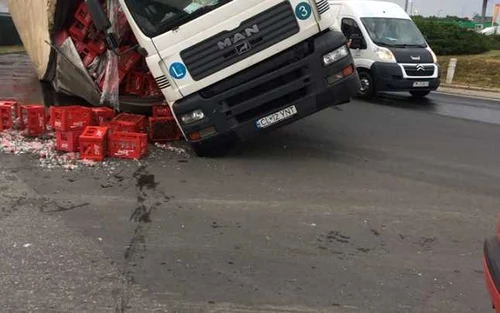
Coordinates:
193	116
335	55
385	54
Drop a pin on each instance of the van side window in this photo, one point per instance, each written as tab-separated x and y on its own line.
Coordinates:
349	28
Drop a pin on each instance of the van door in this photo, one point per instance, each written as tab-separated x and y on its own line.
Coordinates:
358	42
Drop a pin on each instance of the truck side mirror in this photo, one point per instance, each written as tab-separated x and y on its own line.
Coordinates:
102	23
356	42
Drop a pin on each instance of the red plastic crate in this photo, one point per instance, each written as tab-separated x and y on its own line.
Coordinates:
125	145
162	111
61	37
86	54
134	83
102	116
125	64
93	143
83	15
32	120
6	121
79	31
98	46
164	129
69	118
151	89
126	122
68	141
12	103
8	114
128	61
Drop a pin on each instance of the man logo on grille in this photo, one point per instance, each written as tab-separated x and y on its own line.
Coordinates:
238	37
243	47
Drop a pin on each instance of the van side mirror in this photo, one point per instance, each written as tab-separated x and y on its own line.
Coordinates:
102	23
356	42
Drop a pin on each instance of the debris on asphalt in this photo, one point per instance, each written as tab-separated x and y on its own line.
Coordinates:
171	148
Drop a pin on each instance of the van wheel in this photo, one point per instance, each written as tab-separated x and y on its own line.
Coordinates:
367	89
419	94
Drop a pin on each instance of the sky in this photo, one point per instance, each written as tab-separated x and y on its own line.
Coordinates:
3	6
423	7
465	8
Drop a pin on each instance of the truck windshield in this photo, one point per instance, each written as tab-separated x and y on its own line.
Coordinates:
394	32
155	17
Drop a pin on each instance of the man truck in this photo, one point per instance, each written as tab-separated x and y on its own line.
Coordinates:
230	69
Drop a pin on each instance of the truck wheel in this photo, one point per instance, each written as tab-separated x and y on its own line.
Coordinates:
213	149
419	94
206	150
367	89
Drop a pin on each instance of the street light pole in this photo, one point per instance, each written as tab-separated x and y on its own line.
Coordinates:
406	6
483	12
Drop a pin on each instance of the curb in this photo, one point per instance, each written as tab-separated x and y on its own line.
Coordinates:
472	88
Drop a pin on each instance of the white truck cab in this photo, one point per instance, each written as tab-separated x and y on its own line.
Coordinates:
231	69
390	52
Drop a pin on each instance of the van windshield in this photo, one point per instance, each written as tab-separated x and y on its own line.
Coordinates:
155	17
394	32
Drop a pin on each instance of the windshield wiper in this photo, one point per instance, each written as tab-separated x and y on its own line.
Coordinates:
383	44
410	45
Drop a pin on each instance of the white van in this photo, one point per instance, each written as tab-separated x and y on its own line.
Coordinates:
389	51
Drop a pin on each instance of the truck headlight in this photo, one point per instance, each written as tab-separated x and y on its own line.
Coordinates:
335	55
193	116
385	54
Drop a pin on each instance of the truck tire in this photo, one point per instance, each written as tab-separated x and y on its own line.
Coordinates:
213	149
419	94
367	89
206	150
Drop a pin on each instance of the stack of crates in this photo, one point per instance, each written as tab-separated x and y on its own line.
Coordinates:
69	122
162	125
127	138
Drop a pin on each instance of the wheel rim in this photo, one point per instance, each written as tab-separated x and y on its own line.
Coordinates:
365	84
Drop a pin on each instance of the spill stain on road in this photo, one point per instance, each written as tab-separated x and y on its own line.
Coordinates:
136	251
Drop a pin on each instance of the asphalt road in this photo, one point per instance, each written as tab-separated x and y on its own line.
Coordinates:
371	207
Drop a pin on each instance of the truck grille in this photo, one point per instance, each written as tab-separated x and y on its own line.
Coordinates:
229	47
419	70
162	82
323	6
281	72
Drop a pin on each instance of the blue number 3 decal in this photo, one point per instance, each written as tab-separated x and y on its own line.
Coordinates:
303	10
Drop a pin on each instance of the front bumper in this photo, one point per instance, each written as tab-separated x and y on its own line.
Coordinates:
296	76
492	270
390	77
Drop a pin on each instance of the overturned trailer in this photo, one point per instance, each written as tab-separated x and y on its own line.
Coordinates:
59	55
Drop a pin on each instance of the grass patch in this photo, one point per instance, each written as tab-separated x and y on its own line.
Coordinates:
480	70
11	49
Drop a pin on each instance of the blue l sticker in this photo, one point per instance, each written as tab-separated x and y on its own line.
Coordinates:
303	10
178	70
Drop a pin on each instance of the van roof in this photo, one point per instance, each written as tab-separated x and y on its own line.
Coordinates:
373	8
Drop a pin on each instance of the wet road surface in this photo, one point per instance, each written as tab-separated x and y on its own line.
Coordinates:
375	206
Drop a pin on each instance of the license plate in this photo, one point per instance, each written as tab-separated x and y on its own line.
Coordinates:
421	84
276	117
